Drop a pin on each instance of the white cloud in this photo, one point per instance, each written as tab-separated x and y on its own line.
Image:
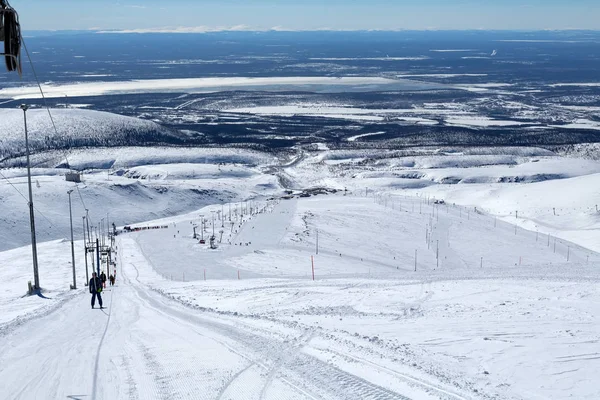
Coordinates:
181	29
207	29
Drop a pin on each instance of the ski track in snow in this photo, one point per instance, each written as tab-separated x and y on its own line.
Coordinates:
295	365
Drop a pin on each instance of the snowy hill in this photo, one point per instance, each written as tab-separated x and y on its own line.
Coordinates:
76	128
132	191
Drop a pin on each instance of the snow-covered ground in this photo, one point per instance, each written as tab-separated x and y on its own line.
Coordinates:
135	186
461	326
75	127
503	303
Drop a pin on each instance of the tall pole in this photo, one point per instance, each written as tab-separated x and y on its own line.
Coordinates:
72	244
87	223
107	230
87	276
98	255
202	226
36	277
89	238
415	260
101	231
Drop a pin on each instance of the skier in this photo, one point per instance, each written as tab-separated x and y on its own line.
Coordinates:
95	289
103	279
112	280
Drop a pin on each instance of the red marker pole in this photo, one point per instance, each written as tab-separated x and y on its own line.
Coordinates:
312	261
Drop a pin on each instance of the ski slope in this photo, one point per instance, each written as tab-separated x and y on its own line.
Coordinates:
524	323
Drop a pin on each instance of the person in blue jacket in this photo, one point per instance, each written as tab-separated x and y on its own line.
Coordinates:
96	289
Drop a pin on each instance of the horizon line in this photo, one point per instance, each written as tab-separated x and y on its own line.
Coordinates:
204	30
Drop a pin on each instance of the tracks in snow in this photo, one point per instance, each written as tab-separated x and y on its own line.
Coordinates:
273	361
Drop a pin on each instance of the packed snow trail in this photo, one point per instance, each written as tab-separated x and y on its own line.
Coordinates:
146	346
57	355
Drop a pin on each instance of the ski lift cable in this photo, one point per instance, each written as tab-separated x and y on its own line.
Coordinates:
39	85
23	196
81	198
50	115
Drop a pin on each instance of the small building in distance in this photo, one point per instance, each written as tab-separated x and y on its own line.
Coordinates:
73	177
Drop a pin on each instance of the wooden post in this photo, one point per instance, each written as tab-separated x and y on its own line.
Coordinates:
312	262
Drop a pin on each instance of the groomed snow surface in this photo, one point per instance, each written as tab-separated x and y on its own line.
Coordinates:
492	311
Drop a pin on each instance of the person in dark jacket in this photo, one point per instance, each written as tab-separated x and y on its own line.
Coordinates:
103	279
96	289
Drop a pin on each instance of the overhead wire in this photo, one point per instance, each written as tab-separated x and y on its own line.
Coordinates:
39	85
81	198
26	199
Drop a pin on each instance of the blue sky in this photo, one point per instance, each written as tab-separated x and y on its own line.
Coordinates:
202	15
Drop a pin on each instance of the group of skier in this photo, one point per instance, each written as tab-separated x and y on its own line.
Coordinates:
97	283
